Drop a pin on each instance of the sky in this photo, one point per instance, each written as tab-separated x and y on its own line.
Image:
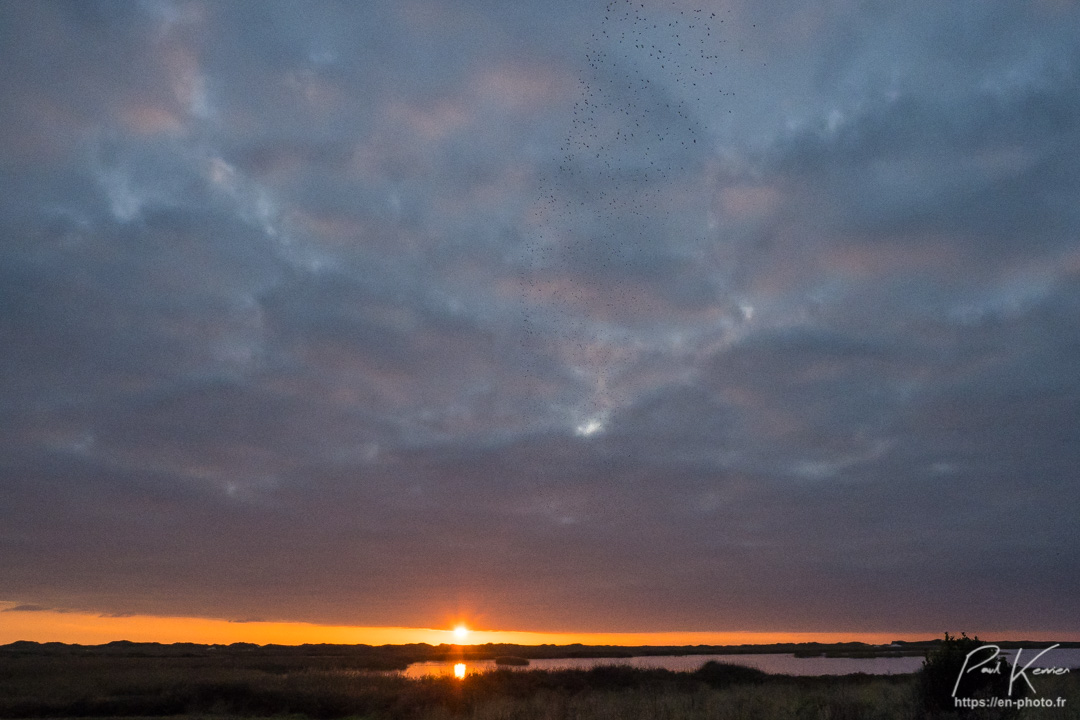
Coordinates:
665	316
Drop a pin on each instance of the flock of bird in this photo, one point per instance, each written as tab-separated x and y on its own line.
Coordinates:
647	75
651	84
639	130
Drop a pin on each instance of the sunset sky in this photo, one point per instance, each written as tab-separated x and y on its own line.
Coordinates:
746	318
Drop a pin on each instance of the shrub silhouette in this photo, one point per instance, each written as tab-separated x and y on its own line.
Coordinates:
940	678
718	674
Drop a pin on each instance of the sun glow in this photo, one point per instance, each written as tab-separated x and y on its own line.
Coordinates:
461	633
69	626
589	428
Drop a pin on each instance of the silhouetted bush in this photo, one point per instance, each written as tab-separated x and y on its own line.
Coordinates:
941	682
718	674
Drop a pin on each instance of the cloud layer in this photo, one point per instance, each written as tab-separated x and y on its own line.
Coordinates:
661	316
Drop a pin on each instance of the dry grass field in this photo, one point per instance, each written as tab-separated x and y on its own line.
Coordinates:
340	687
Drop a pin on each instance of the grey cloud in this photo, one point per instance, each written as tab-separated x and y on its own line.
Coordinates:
26	608
308	315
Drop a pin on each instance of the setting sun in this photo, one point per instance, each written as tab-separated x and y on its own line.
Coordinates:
461	633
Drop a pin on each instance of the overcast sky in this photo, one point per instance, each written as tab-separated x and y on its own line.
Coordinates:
692	315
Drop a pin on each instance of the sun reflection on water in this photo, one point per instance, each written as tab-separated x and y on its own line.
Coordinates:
459	670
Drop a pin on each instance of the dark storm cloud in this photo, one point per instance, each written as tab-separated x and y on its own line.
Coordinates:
379	314
26	608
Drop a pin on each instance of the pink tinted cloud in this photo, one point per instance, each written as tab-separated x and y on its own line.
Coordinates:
430	121
871	258
524	88
150	119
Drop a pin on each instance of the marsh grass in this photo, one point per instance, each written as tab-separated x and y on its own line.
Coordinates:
227	687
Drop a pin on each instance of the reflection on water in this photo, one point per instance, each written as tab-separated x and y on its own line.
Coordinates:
785	664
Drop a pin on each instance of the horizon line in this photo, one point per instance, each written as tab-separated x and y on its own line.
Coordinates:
87	628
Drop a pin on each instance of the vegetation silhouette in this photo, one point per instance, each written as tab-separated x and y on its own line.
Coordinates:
948	674
140	680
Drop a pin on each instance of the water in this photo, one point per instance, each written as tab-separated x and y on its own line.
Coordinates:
773	663
779	663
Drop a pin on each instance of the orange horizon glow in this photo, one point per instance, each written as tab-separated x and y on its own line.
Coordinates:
92	629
